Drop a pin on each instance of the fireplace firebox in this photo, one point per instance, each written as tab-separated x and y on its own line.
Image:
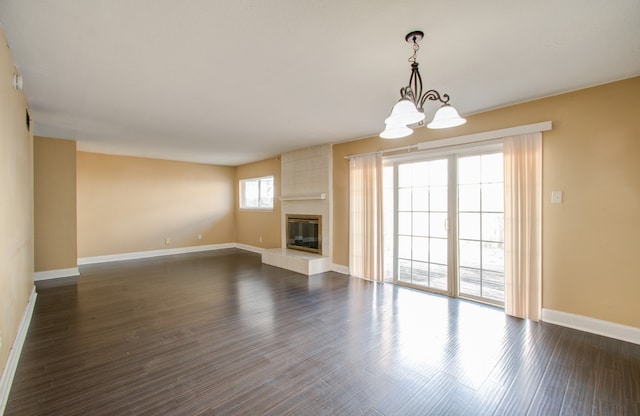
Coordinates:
304	232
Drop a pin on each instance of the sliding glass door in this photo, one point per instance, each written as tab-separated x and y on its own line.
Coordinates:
444	223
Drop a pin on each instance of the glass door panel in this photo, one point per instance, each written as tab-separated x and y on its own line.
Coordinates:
421	233
481	227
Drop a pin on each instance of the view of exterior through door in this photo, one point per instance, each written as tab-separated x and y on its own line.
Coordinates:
481	227
444	223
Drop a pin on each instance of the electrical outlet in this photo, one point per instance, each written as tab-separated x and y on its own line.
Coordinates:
199	236
167	240
260	239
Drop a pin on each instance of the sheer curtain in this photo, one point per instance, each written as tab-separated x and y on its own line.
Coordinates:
365	217
523	225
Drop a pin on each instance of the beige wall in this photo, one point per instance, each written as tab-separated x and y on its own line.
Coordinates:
591	261
252	225
132	204
16	205
54	197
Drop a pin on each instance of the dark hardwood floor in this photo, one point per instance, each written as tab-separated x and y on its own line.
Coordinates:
219	333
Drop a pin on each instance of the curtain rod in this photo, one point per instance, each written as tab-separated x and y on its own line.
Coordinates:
469	138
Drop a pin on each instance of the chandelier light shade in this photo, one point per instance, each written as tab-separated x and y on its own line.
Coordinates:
408	113
396	131
446	117
404	112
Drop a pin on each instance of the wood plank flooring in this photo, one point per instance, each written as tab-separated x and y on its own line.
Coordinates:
219	333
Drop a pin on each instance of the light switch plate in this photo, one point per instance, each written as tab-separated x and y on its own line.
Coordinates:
556	197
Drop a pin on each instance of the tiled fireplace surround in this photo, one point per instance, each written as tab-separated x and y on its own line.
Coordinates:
305	189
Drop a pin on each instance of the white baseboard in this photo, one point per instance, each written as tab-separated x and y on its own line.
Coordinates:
592	325
152	253
247	247
14	354
338	268
55	274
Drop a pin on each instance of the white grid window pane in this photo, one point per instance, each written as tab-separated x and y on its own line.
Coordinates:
404	223
469	170
469	225
420	226
420	199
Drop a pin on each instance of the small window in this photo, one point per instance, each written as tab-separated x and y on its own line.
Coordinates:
256	193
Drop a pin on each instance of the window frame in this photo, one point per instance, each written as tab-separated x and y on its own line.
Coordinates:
242	197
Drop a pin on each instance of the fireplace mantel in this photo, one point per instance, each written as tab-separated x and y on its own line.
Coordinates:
304	197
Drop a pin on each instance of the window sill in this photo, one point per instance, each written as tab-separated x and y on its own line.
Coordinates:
256	209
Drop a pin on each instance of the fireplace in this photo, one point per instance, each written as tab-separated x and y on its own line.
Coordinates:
304	232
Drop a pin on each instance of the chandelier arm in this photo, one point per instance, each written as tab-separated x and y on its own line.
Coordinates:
433	95
407	93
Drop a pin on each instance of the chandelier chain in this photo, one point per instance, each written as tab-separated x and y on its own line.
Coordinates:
416	48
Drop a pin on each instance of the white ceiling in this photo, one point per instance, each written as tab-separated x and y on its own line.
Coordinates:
230	82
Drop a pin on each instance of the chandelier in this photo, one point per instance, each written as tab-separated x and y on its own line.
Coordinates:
408	113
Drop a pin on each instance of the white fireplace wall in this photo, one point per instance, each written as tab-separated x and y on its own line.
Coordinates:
306	189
